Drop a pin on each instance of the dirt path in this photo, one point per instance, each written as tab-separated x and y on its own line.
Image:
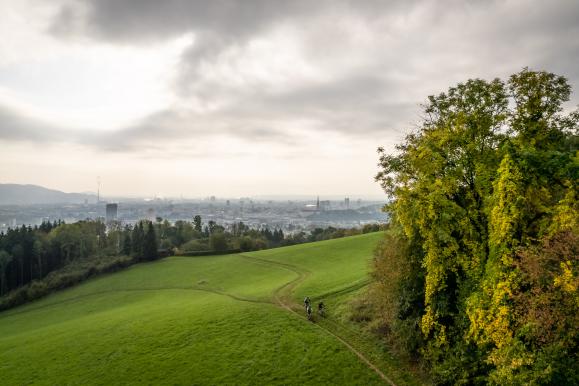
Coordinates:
282	296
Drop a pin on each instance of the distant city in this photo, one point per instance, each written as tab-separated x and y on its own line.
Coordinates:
289	215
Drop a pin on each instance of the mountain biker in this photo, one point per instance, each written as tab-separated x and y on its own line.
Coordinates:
307	301
309	311
321	308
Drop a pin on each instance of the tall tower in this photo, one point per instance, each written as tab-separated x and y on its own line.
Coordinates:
318	203
98	189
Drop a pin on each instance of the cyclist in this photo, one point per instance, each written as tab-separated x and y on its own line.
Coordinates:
321	309
307	301
309	311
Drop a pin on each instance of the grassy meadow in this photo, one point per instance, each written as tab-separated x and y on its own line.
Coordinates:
198	320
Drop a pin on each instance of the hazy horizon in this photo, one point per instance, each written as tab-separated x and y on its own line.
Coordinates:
245	98
275	197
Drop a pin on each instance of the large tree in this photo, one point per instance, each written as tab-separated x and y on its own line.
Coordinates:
481	178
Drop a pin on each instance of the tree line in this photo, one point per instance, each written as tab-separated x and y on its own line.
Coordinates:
184	237
478	275
31	253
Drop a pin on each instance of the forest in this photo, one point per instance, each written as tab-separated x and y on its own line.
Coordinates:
477	278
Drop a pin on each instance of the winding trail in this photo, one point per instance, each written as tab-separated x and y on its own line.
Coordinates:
282	297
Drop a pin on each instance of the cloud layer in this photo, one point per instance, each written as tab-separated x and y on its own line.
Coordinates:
289	75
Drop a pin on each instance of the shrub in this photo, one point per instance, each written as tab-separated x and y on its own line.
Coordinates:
71	274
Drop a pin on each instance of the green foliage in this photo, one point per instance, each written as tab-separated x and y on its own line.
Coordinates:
126	249
246	244
492	170
150	249
397	293
36	261
138	238
194	246
72	274
218	241
5	259
197	223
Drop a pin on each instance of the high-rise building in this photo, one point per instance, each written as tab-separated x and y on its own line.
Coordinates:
111	213
347	202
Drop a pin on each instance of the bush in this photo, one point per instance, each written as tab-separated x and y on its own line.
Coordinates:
218	241
71	274
246	244
195	245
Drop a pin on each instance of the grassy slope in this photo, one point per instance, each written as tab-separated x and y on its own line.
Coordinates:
161	323
331	265
335	271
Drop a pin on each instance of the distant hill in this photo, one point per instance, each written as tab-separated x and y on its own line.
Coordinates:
15	194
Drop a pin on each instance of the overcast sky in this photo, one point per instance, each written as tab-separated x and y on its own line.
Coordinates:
237	98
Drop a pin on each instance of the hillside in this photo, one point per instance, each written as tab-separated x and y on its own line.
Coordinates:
199	320
15	194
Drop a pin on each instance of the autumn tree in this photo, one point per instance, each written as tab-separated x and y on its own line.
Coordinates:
489	172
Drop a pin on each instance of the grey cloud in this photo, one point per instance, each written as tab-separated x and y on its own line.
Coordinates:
15	126
419	48
145	20
473	27
155	133
353	106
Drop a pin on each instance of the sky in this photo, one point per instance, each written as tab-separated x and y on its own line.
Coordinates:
242	98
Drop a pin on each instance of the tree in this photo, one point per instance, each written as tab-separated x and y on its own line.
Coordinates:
492	169
37	252
246	243
137	239
5	259
18	255
150	248
197	223
127	242
211	226
218	241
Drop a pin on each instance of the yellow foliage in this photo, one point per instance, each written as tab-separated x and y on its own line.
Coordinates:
566	215
427	322
566	280
491	318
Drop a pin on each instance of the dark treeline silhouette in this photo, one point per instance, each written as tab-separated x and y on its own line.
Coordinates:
31	253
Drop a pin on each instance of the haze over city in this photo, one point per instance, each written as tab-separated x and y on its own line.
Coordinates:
245	98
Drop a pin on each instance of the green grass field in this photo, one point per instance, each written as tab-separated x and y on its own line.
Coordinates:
201	320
